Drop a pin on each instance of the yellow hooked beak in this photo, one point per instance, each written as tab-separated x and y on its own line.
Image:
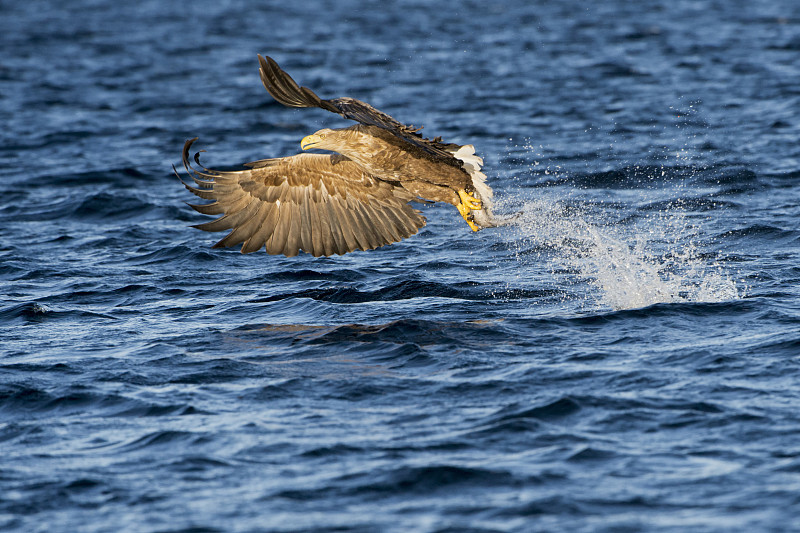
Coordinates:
309	141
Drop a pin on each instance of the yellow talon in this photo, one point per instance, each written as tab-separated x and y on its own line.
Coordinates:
466	213
468	200
472	225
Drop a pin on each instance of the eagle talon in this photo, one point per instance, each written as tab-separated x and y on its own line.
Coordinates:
467	215
468	200
467	205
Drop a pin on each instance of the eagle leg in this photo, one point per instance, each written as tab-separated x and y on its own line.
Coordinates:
468	200
467	205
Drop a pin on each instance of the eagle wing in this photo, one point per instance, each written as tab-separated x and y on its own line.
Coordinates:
286	91
321	204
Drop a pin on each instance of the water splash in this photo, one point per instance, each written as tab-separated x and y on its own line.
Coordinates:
624	258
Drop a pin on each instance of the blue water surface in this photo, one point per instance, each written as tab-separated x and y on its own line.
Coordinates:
624	357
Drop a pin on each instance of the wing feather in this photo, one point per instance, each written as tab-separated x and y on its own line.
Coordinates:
377	224
230	220
364	224
246	229
293	239
386	223
268	227
214	208
205	194
278	239
408	224
304	202
343	231
334	220
274	244
261	234
305	221
320	235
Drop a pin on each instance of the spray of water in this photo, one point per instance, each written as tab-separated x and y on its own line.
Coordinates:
626	261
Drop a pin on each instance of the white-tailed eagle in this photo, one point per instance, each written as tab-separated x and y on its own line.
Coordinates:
356	198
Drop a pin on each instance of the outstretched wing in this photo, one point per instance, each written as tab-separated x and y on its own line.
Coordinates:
286	91
321	204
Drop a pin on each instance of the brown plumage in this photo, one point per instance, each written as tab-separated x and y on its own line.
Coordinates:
355	199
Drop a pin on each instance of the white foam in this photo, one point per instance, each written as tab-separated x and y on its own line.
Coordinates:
656	259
